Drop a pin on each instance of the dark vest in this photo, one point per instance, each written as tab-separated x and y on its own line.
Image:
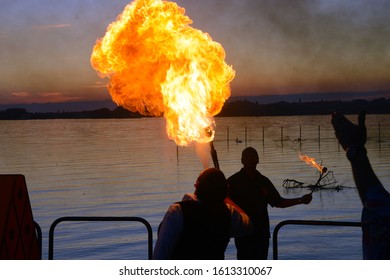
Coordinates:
205	233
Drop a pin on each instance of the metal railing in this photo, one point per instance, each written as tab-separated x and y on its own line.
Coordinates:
38	231
100	219
306	222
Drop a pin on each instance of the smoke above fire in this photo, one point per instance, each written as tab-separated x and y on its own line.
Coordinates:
158	65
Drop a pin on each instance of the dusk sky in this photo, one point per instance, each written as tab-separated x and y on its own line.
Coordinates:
275	46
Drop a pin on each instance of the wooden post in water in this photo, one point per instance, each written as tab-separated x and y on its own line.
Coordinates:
300	137
263	135
281	134
246	134
300	133
177	155
227	136
319	133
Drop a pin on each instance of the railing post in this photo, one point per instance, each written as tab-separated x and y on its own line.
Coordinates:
306	222
38	231
100	219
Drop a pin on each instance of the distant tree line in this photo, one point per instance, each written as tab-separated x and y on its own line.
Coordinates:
104	113
230	109
246	108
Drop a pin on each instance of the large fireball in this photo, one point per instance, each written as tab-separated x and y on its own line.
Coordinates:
158	65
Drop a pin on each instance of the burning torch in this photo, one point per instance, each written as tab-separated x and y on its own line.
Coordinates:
311	161
214	156
213	152
322	172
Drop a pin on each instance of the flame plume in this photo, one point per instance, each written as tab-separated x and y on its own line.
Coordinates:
158	65
312	162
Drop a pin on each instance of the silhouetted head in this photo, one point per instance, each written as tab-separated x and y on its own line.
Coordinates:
249	158
211	186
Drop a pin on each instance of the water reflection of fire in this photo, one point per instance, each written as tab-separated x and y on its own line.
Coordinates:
160	66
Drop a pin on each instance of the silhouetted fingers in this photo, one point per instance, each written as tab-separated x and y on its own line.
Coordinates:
339	121
343	128
362	119
362	127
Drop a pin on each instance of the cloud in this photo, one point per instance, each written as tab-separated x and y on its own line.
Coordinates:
52	26
21	94
274	45
28	97
97	85
55	97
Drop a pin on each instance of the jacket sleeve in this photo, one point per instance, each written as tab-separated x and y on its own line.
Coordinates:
240	223
169	234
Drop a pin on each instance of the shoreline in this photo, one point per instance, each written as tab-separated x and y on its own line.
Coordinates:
231	109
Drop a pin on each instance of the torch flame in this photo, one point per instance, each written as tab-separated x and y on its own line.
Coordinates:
312	162
160	66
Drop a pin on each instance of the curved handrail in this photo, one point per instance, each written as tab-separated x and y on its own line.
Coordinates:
100	219
38	231
306	222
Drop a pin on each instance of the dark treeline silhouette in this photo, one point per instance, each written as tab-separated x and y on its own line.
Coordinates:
104	113
246	108
230	109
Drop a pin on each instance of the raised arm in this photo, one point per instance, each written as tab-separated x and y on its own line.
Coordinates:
353	139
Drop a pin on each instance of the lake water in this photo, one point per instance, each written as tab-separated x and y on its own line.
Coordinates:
128	167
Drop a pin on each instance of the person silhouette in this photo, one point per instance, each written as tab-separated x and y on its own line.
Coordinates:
200	226
374	197
253	192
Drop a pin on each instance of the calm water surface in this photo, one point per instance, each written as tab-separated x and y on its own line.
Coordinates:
130	168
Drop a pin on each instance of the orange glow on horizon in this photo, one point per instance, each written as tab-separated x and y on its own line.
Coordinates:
160	66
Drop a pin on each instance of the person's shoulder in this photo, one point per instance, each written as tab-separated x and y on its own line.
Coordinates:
189	196
174	206
264	179
262	176
235	176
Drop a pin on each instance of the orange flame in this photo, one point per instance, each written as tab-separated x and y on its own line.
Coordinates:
160	66
312	162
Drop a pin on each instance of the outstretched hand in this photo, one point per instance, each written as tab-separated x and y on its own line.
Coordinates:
349	134
306	199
